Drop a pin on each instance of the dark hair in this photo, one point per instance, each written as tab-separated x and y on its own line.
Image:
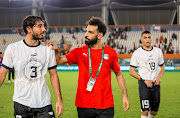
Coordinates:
96	21
31	21
145	32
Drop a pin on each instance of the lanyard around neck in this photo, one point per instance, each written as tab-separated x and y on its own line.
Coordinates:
90	65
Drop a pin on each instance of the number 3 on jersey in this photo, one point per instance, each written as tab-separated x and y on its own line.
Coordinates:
32	69
34	72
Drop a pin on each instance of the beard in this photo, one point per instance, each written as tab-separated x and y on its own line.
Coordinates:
36	37
91	42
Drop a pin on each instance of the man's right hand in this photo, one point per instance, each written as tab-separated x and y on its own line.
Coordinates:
59	108
54	46
149	83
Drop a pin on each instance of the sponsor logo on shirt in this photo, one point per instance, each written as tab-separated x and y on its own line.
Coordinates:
85	54
35	54
150	55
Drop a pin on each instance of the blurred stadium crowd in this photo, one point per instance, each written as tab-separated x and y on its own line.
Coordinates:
124	39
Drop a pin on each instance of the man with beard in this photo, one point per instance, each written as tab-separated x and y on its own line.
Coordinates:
31	60
94	98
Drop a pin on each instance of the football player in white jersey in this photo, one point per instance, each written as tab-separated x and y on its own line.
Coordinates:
31	60
150	63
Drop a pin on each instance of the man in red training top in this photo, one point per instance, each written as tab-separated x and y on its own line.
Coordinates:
94	98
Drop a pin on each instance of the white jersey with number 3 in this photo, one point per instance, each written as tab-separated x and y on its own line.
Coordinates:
147	62
31	64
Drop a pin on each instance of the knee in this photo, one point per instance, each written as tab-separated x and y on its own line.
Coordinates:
144	113
153	113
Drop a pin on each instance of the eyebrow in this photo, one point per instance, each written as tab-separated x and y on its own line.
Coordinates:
90	31
40	24
146	37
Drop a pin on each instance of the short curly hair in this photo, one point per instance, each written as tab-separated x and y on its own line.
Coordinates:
31	21
96	21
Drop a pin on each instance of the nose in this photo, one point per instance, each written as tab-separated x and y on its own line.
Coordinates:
86	34
149	39
43	28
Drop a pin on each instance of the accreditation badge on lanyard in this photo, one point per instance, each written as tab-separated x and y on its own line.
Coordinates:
92	81
90	84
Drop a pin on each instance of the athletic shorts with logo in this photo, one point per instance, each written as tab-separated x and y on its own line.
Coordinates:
149	97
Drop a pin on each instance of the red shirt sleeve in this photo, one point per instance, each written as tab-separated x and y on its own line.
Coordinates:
72	56
115	63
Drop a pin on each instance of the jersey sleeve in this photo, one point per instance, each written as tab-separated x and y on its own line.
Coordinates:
115	63
52	60
8	58
134	62
72	56
161	60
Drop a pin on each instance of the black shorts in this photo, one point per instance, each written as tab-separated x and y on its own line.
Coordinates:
149	97
22	111
95	113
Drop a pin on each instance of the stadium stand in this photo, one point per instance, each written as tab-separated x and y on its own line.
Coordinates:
124	41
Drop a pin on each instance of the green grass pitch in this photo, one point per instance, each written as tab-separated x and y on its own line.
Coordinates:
169	106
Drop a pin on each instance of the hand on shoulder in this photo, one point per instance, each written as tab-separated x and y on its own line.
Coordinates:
48	43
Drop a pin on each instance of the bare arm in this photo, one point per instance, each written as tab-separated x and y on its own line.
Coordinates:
56	86
158	79
122	85
3	72
69	47
133	73
59	59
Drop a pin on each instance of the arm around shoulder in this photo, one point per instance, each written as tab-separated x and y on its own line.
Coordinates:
60	59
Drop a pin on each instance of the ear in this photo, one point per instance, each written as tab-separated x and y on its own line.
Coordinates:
141	39
29	29
100	35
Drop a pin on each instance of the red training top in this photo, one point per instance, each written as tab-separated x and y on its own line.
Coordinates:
101	96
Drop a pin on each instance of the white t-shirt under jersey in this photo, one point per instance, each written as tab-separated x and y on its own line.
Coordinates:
147	62
31	64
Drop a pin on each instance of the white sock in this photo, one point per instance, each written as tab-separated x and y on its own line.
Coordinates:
144	116
150	116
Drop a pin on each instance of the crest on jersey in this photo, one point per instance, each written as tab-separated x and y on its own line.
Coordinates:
106	56
33	61
33	68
